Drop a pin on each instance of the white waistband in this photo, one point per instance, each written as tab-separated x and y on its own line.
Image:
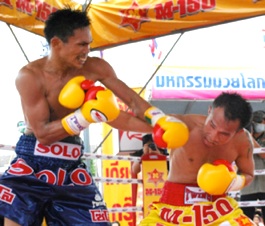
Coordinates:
58	150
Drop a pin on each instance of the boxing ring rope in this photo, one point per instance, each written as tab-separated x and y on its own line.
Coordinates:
258	203
123	209
117	180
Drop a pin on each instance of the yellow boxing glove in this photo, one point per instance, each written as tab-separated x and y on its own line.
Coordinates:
73	93
168	131
219	178
100	106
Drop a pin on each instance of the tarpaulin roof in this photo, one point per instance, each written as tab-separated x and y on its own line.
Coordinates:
118	22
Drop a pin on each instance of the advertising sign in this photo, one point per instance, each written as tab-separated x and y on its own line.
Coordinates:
206	83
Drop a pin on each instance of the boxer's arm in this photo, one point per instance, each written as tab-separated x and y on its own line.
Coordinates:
100	105
257	145
168	132
245	161
36	109
127	122
139	106
108	77
167	129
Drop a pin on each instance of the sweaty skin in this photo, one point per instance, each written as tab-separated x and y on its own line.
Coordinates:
211	137
40	82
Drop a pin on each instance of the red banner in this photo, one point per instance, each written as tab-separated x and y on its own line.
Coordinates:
117	22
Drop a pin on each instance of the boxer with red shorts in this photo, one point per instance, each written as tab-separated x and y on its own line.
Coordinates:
216	159
189	205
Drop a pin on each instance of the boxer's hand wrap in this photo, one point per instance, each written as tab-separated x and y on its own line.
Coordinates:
74	123
97	104
219	178
168	132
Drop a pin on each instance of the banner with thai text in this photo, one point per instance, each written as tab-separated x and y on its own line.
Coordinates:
206	83
116	22
30	15
116	195
154	173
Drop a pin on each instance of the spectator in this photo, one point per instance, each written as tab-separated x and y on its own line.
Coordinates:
256	190
258	218
149	147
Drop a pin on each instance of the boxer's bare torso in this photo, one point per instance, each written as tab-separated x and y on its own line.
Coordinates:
202	147
40	82
49	82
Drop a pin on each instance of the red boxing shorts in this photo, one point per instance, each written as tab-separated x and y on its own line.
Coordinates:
188	205
50	182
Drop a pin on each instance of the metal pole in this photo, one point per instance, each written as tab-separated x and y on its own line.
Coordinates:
86	145
17	42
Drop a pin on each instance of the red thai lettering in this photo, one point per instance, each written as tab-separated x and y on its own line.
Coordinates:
117	172
114	172
124	172
123	216
43	10
114	215
99	215
149	191
25	6
6	3
128	203
20	168
6	194
81	177
153	191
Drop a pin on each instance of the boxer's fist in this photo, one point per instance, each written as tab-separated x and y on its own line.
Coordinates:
100	106
73	93
168	132
219	178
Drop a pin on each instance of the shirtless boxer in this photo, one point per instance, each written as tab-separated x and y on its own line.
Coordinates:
47	179
215	142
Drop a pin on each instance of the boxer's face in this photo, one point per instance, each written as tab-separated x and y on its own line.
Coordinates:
75	51
217	129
